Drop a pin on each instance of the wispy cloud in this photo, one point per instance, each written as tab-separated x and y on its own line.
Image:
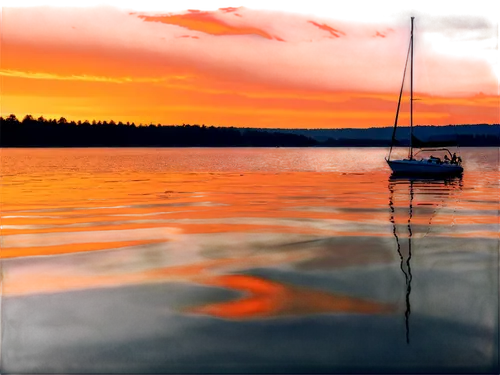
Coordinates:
336	33
379	36
206	22
87	78
285	112
436	101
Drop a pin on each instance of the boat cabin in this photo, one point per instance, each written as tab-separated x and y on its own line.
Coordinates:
452	159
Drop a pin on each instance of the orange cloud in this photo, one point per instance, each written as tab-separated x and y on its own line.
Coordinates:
76	77
336	33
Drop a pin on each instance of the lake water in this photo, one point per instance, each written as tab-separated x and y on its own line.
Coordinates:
246	260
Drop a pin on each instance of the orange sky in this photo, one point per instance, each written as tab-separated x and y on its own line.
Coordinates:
236	67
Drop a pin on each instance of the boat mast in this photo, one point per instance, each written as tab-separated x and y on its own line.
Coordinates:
411	91
393	138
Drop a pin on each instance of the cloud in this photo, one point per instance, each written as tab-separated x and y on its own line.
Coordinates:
458	34
206	22
377	35
336	33
436	101
89	78
322	114
111	42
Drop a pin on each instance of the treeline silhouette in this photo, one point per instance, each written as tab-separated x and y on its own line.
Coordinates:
41	132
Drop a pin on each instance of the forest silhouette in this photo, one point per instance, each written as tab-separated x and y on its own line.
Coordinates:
41	132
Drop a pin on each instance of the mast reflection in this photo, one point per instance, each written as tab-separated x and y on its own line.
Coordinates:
436	192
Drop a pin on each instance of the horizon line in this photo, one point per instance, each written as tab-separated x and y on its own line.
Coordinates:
231	126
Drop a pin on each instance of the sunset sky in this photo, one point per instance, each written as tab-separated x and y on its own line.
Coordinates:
312	64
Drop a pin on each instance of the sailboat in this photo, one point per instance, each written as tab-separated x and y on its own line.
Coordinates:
450	165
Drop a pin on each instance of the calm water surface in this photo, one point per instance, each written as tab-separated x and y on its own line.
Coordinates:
245	260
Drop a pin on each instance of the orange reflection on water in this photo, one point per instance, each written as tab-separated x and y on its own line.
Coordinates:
130	199
262	298
36	280
70	238
265	298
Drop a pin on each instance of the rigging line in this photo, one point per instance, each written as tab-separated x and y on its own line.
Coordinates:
457	138
399	103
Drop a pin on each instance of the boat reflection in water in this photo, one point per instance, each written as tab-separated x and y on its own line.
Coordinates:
405	263
459	294
397	181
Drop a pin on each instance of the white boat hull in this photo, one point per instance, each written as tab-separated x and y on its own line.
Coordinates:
423	167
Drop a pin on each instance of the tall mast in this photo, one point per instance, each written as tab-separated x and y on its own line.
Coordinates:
393	138
411	92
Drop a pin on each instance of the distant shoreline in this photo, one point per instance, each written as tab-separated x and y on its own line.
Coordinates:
50	133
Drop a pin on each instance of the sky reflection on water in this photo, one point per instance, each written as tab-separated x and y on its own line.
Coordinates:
308	260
